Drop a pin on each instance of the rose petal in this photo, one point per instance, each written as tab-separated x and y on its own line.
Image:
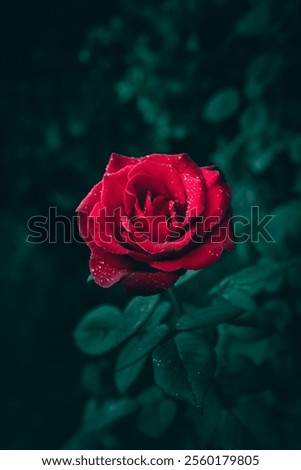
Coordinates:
224	234
148	283
148	205
205	254
175	240
113	190
160	207
135	251
105	230
218	198
137	189
108	268
211	175
195	193
117	162
159	229
85	207
180	162
82	222
163	173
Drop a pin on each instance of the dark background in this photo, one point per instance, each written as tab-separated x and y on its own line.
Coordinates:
80	80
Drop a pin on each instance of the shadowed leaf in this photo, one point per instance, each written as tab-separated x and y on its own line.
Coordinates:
157	413
184	367
204	317
124	378
105	327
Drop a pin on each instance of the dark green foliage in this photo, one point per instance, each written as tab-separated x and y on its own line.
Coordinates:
125	377
96	333
134	354
159	314
186	277
157	413
222	105
97	418
205	317
140	345
105	327
184	367
219	80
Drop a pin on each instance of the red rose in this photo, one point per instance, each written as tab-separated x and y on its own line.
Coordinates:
151	218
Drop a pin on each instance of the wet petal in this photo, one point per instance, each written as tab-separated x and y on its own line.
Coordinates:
203	254
82	222
113	190
180	162
210	174
165	176
138	187
217	198
108	268
195	193
85	207
175	239
118	161
148	283
105	230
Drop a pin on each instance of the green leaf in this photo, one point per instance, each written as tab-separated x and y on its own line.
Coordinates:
255	21
134	354
149	395
207	422
234	435
241	376
157	413
186	277
221	105
260	160
205	317
248	333
261	422
158	315
248	318
140	345
184	367
105	327
253	344
89	278
261	73
250	280
274	284
96	332
239	298
124	378
99	416
137	312
254	120
285	228
274	315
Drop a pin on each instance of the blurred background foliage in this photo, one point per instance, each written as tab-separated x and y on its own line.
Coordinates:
218	79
